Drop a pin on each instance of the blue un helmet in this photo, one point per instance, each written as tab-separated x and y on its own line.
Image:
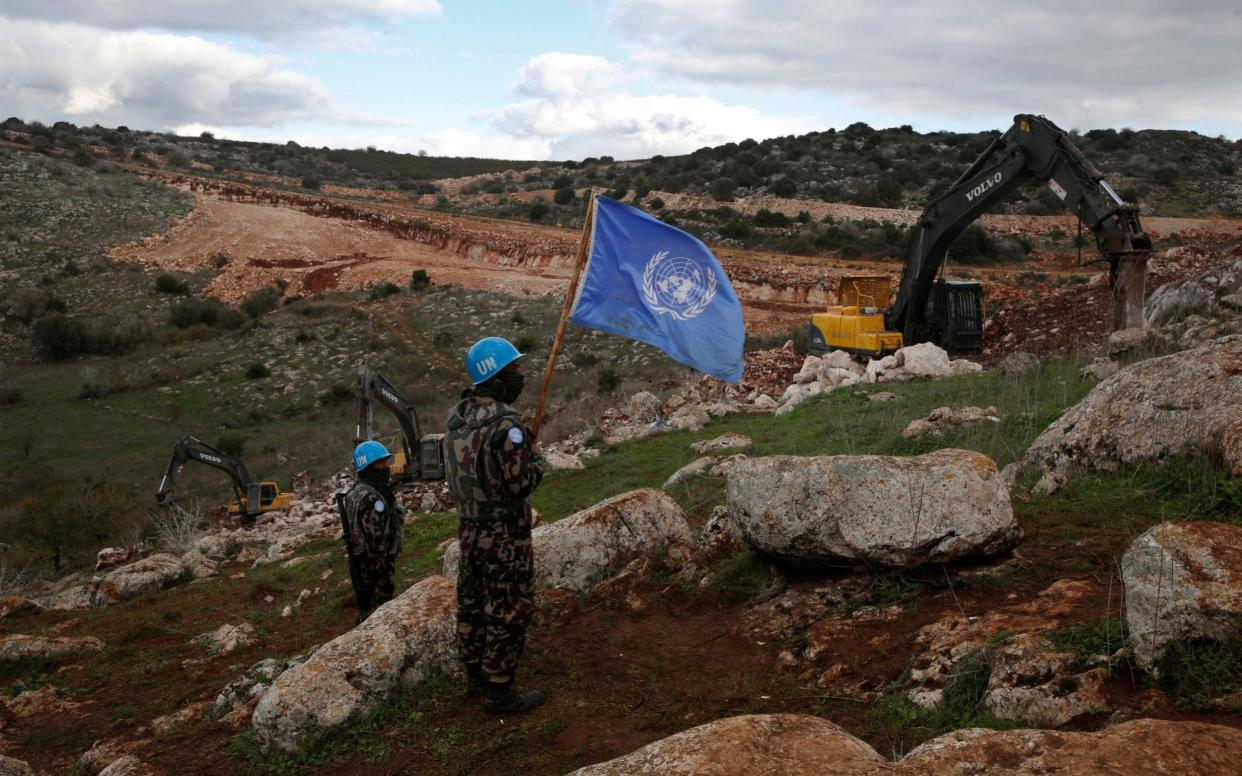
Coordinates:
488	356
368	453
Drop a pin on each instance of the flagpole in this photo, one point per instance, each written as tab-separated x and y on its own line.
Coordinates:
579	262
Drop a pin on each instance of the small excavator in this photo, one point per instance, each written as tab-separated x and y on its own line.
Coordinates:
950	313
373	388
253	498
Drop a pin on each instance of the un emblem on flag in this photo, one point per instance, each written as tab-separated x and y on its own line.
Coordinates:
677	286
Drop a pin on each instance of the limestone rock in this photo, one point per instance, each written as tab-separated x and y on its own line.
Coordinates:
1133	340
36	702
689	418
644	407
695	468
558	460
1149	410
1143	747
717	537
1176	300
218	547
726	441
765	402
21	647
1033	683
1100	369
228	638
403	643
593	544
891	511
942	645
153	573
961	366
1019	364
14	605
128	765
942	418
1183	581
786	744
110	557
198	565
11	766
809	371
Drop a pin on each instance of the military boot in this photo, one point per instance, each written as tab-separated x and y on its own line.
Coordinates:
501	699
476	680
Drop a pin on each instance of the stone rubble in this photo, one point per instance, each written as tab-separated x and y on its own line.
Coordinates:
942	418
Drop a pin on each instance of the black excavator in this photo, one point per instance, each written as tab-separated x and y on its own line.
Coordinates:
253	498
929	308
373	388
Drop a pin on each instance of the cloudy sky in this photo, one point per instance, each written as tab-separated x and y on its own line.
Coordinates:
562	80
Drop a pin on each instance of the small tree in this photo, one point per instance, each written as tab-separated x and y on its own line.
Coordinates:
722	189
419	280
563	196
538	211
257	371
170	284
310	183
261	302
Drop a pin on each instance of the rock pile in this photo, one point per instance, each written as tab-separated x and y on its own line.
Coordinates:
943	418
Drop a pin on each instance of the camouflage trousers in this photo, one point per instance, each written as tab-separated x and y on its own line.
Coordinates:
373	584
495	594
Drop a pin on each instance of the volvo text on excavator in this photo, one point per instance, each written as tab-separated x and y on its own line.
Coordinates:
373	388
253	498
928	308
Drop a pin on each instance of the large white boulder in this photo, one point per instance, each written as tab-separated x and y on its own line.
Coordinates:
153	573
588	546
891	511
402	644
1183	581
788	744
1190	400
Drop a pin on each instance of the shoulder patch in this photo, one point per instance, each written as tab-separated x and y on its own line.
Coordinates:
516	436
379	505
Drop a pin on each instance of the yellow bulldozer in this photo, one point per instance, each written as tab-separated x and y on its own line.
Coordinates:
856	323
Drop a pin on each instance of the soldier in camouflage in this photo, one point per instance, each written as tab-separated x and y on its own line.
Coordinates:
492	465
372	529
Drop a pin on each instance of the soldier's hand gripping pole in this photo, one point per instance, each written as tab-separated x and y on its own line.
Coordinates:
352	555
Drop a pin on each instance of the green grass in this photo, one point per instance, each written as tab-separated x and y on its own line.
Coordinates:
903	725
1195	673
1089	640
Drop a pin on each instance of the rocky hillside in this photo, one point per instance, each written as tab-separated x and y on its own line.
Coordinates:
728	600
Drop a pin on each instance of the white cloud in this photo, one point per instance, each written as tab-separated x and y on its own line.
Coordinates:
149	80
1143	62
280	19
576	106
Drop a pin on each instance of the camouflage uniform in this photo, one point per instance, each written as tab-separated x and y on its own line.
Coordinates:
375	539
491	472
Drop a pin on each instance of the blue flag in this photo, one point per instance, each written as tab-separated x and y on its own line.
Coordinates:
654	283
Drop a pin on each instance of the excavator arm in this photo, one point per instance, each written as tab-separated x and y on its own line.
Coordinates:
188	449
1033	149
373	388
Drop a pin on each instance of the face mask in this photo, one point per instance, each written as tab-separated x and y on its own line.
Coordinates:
511	385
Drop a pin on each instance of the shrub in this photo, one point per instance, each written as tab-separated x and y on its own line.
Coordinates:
59	337
563	196
177	530
784	187
767	218
526	343
384	290
608	380
443	340
260	302
722	189
72	521
337	393
537	211
231	444
207	312
310	183
169	284
655	204
973	246
11	394
257	370
584	359
1195	673
420	280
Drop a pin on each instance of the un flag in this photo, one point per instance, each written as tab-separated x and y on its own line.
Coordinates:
654	283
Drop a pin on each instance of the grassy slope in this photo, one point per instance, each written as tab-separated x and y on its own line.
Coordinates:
432	731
